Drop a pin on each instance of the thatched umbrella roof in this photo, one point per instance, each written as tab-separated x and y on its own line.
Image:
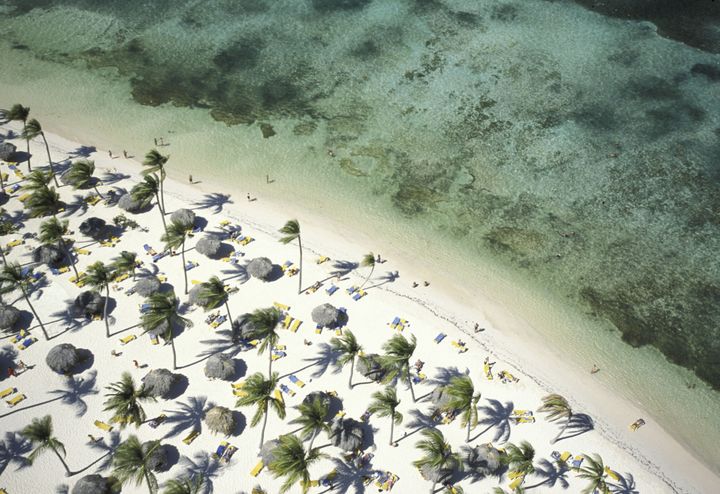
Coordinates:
147	286
326	315
325	399
266	452
9	315
369	366
93	227
92	484
434	474
158	459
184	217
347	434
62	358
7	151
243	328
220	366
220	419
159	382
90	303
209	246
194	296
127	203
483	459
260	268
50	255
439	397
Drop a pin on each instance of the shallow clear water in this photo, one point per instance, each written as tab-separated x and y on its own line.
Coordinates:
577	150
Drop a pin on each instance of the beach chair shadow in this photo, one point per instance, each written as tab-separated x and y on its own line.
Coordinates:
188	416
626	485
13	451
202	463
82	152
214	201
107	446
580	423
497	416
552	474
349	477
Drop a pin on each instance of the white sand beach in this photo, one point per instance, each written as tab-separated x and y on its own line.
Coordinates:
648	460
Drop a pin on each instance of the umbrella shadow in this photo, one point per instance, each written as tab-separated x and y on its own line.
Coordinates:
188	416
202	463
625	485
240	423
349	475
497	416
580	423
388	277
14	450
476	469
179	387
8	356
551	473
214	201
172	456
327	356
107	447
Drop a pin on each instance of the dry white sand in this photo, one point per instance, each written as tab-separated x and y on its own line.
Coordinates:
650	457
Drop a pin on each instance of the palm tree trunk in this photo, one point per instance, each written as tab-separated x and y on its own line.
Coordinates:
352	370
262	431
107	298
557	438
27	141
368	278
412	390
52	168
467	438
301	269
68	473
182	255
270	361
98	192
172	345
69	256
432	489
227	308
312	439
162	187
27	299
392	426
2	252
2	181
162	212
147	479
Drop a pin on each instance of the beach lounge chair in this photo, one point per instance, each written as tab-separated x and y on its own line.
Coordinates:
130	291
103	426
220	451
12	189
637	424
7	392
352	289
359	294
297	382
521	413
195	282
24	197
277	355
577	462
517	482
127	339
82	252
149	250
295	325
565	456
340	414
239	392
92	200
218	321
287	390
318	329
332	289
611	473
524	420
282	307
313	288
18	337
229	452
246	240
278	396
322	259
15	400
154	340
280	347
122	277
27	342
224	223
287	321
440	337
15	243
159	256
257	469
459	345
191	265
487	369
154	423
191	437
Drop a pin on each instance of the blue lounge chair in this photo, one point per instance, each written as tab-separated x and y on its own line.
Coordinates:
221	449
440	337
144	308
190	265
342	310
159	256
28	342
55	271
286	390
332	289
14	188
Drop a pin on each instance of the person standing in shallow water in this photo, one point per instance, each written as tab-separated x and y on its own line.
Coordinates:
190	179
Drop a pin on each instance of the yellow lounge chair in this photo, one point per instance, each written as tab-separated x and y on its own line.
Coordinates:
487	369
103	426
92	200
338	332
15	243
162	278
246	240
14	401
282	307
258	468
322	259
225	223
240	393
565	456
7	392
238	385
611	473
276	356
128	339
280	347
83	252
525	420
74	279
195	282
24	197
154	340
517	482
122	277
23	346
19	337
191	437
279	396
340	414
287	321
295	325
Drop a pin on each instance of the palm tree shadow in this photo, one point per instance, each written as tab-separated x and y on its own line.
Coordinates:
497	416
107	448
551	473
580	423
444	375
349	475
78	205
326	357
75	390
236	271
388	277
420	420
202	464
13	449
224	343
343	268
214	201
71	317
109	178
82	152
188	416
626	485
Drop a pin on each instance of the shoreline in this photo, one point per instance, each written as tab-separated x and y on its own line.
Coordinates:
505	329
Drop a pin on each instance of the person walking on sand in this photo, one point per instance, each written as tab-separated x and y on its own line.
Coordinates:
248	196
110	153
155	139
595	369
136	364
124	153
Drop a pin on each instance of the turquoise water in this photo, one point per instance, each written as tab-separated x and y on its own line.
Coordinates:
576	149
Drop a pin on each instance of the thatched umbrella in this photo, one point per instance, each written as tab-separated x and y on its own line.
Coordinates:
267	450
209	246
326	315
369	366
243	328
482	460
220	419
220	366
194	296
7	151
184	217
8	316
158	459
50	255
435	474
440	397
127	203
260	268
159	382
347	434
62	358
325	399
93	227
90	303
147	286
92	484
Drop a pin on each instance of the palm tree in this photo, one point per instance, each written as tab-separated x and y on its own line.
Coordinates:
265	322
81	176
195	484
163	315
126	262
594	472
130	462
213	294
290	460
260	392
556	407
396	361
384	404
124	400
312	419
348	348
155	163
99	277
40	432
368	260
174	238
37	180
15	276
146	190
463	398
32	130
43	202
438	454
20	113
53	231
291	230
520	458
